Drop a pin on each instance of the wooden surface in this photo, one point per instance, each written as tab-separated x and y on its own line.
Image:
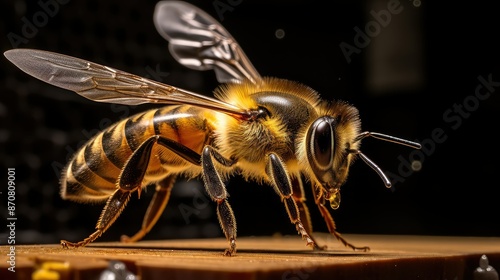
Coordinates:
391	257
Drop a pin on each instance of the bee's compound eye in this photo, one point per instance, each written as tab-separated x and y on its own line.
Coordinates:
321	141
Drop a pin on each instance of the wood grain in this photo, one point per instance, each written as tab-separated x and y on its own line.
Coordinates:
277	257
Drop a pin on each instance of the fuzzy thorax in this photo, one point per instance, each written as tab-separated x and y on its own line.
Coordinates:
251	141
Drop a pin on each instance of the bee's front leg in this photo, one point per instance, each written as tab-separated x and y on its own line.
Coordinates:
332	228
217	191
275	169
300	198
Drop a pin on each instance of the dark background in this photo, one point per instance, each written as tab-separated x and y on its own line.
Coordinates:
404	80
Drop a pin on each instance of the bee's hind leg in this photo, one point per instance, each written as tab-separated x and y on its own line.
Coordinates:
163	188
130	180
155	208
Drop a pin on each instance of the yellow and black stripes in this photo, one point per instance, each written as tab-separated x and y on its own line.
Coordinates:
113	141
166	116
138	129
98	162
92	174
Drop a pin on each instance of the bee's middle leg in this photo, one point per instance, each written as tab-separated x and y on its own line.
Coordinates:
280	179
130	180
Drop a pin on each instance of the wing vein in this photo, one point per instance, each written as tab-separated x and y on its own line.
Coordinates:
105	84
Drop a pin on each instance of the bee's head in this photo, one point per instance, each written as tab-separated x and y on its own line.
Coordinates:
332	142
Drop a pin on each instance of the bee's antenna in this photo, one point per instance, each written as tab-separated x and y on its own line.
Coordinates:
373	165
384	137
388	138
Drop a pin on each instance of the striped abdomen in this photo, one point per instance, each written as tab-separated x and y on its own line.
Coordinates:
93	172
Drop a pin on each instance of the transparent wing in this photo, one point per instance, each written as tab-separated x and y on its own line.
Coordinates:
104	84
199	42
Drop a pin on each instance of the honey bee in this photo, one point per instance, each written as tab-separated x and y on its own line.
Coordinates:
269	130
